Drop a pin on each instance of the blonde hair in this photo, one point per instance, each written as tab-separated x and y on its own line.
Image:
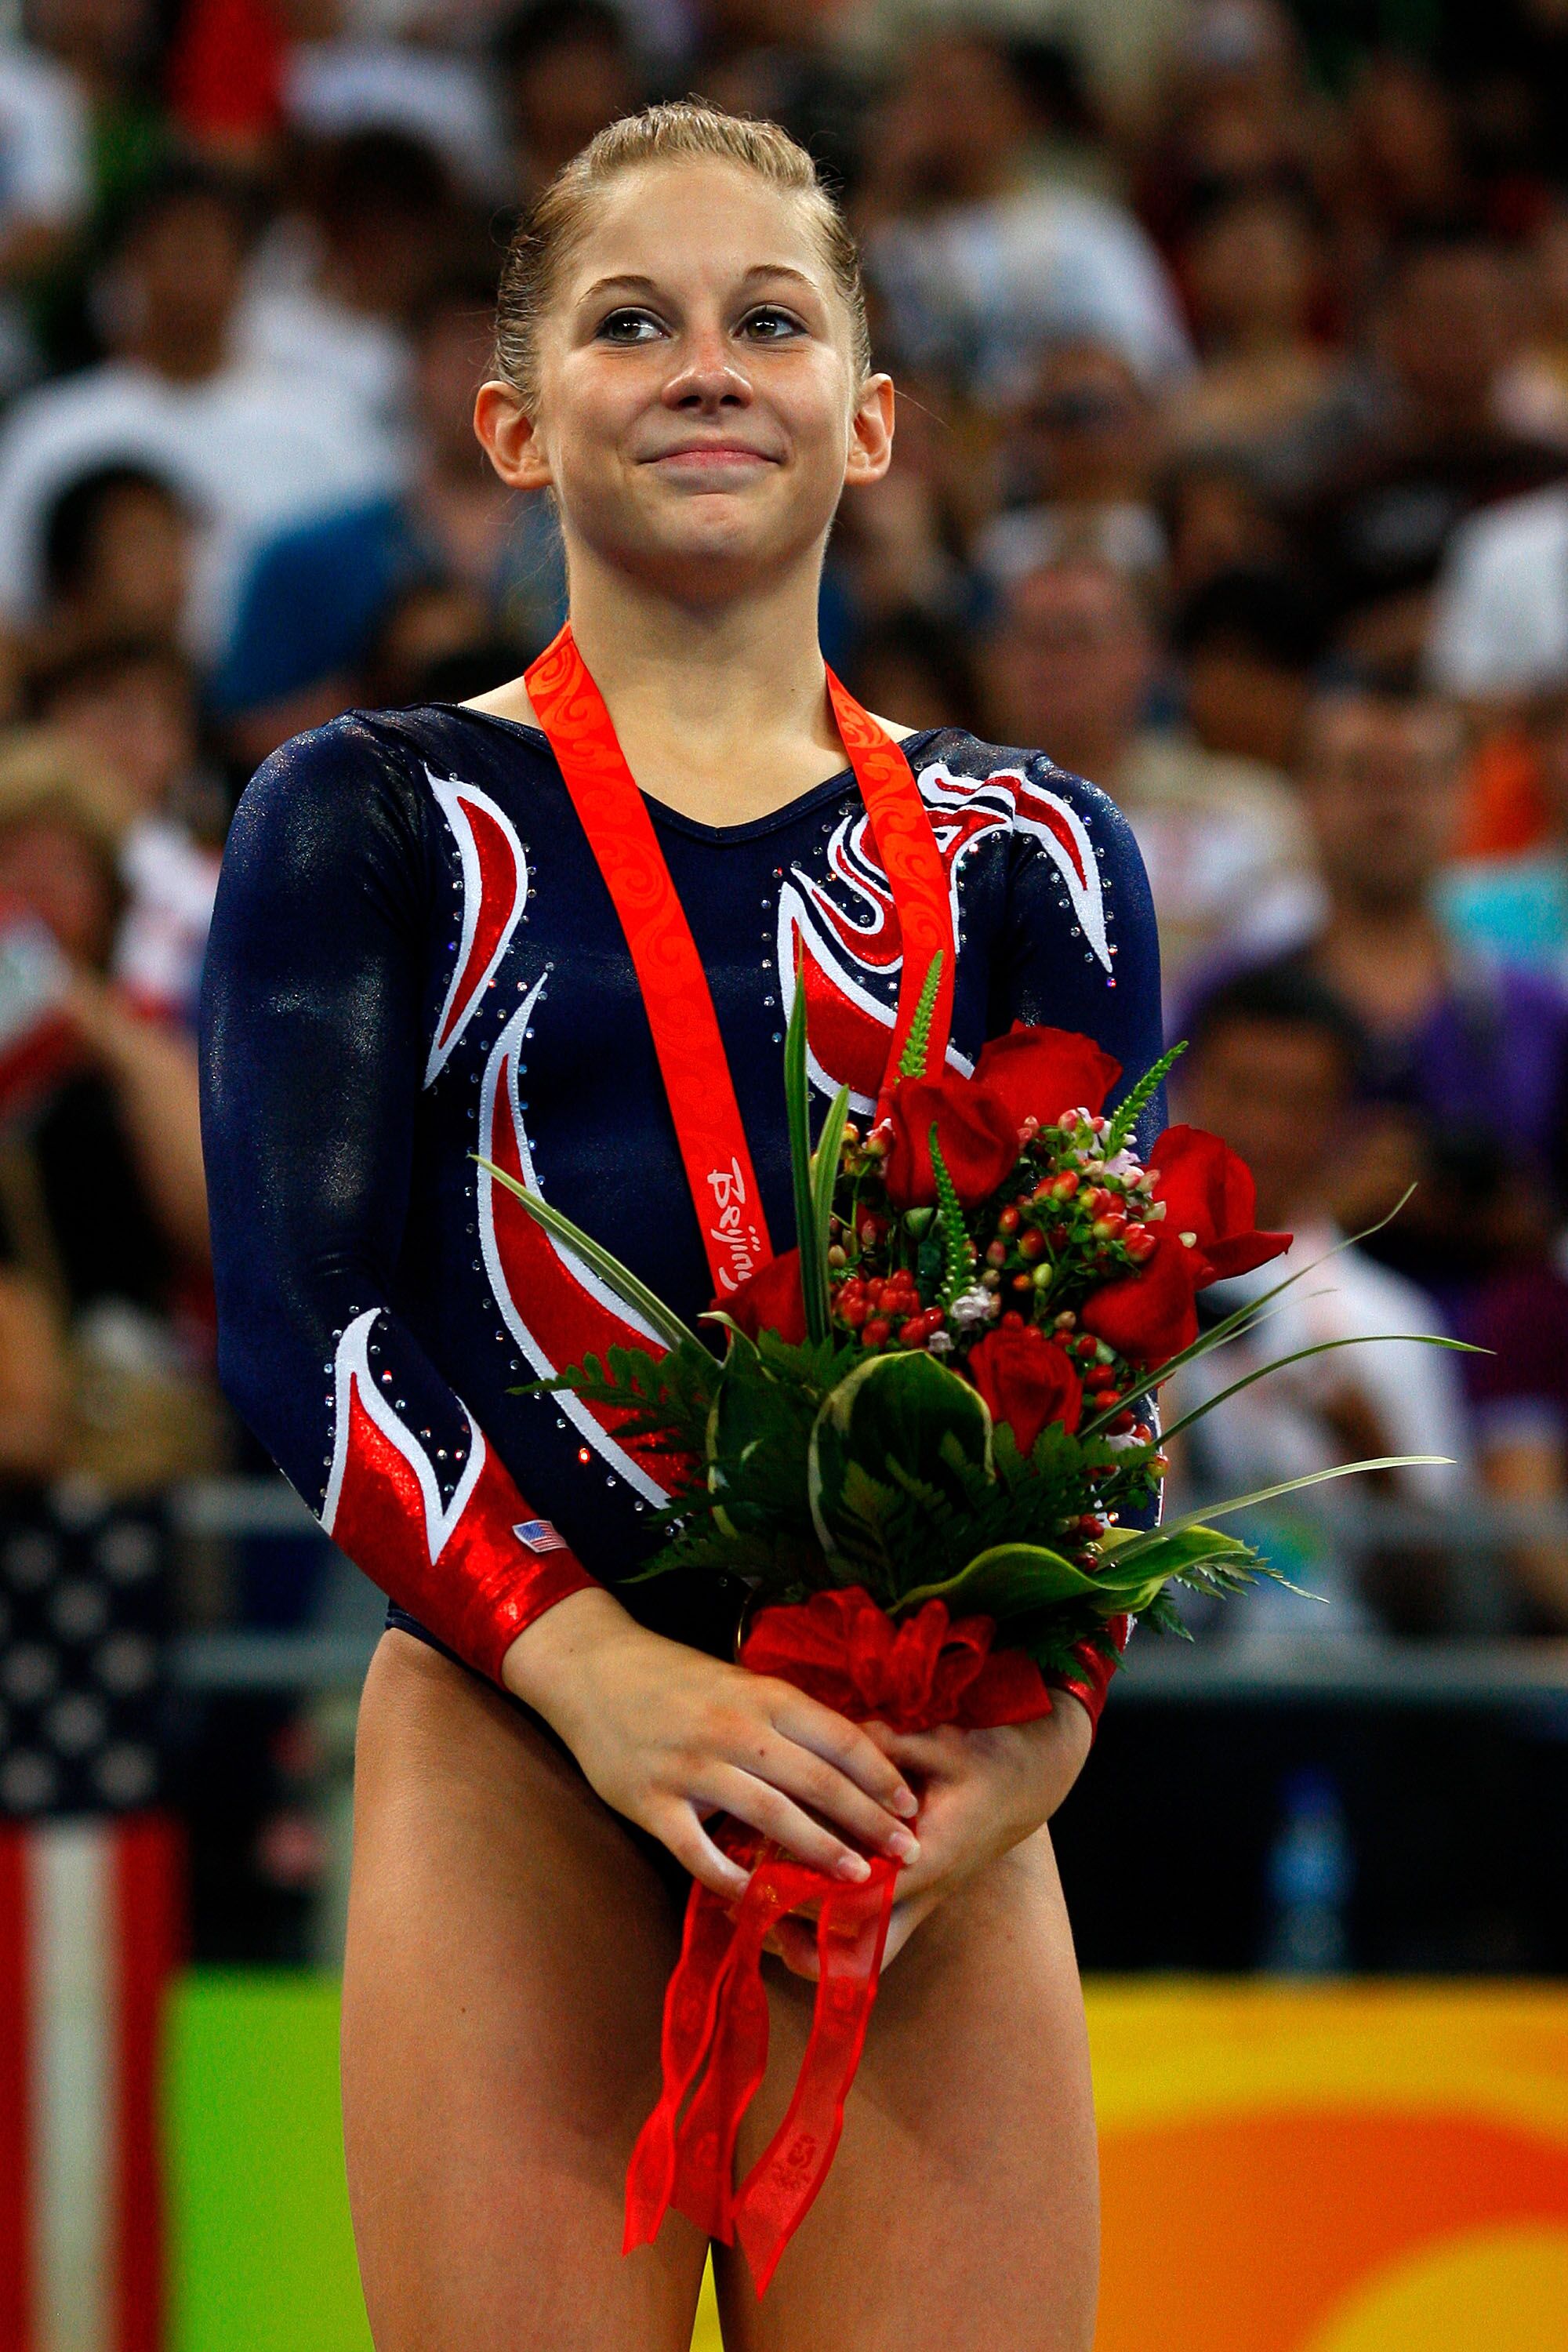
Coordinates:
680	131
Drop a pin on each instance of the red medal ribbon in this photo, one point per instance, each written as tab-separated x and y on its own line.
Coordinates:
845	1651
691	1057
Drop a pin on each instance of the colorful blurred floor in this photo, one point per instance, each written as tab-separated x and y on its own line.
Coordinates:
1334	2169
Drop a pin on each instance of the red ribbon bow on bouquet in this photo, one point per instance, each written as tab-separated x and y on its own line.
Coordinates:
844	1650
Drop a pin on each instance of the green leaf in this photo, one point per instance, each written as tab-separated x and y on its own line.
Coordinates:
633	1293
895	1415
798	1110
1008	1580
916	1044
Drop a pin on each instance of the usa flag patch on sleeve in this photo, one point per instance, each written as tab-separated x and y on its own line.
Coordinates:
539	1536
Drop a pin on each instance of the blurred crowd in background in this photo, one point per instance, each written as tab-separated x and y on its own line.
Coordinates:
1231	343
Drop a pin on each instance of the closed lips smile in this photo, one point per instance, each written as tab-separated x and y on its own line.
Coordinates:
712	453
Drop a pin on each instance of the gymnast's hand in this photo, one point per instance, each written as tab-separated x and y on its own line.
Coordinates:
670	1737
982	1793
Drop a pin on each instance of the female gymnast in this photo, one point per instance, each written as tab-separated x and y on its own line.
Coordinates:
418	962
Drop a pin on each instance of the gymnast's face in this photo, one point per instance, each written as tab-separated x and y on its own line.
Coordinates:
699	409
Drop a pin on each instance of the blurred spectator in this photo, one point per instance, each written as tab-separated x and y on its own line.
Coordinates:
979	267
1271	1066
108	49
1248	642
900	544
1070	664
1240	114
1077	459
433	634
1400	168
348	71
1460	1054
1516	907
912	670
1433	447
1519	1392
1216	519
117	555
317	596
130	701
45	189
1269	388
567	68
335	284
103	1202
246	449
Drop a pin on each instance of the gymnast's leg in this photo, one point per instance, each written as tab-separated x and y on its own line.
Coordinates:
509	1946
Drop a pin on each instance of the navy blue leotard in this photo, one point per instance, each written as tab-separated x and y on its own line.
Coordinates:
415	961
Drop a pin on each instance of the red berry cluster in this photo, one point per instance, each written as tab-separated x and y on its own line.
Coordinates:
876	1306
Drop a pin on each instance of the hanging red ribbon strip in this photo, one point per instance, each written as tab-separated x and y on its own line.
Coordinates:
844	1649
691	1058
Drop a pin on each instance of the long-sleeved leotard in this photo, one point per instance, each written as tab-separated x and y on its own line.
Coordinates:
414	963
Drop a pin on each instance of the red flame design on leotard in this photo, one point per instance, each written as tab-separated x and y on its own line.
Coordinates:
459	1566
555	1308
845	933
494	873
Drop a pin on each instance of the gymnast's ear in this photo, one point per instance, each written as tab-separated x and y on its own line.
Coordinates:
510	437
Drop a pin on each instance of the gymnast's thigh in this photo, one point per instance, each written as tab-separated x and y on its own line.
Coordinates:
961	2212
508	1949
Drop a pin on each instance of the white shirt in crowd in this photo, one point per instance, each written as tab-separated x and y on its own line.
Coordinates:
333	88
1277	1429
171	881
289	325
1499	623
250	448
992	285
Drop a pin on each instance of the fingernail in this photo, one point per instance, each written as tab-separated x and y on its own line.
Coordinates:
905	1846
906	1803
855	1866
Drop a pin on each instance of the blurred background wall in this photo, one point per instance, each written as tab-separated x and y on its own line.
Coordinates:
1232	342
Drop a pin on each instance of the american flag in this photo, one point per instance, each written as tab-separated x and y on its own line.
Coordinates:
91	1928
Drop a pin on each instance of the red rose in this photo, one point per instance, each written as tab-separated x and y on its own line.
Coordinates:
1027	1379
1209	1191
1149	1315
771	1301
1040	1073
977	1133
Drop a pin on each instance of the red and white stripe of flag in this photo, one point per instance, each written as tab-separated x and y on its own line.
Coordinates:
91	1930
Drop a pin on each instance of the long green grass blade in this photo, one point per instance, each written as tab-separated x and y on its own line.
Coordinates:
1323	1348
1227	1510
824	1178
797	1108
637	1295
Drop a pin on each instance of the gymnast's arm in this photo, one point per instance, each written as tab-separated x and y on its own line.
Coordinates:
312	1056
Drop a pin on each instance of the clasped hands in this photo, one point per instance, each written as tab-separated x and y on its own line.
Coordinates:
671	1738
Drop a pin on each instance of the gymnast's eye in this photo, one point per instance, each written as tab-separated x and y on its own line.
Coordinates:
771	325
629	327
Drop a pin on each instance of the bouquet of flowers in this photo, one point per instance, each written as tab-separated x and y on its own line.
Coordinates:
930	1450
